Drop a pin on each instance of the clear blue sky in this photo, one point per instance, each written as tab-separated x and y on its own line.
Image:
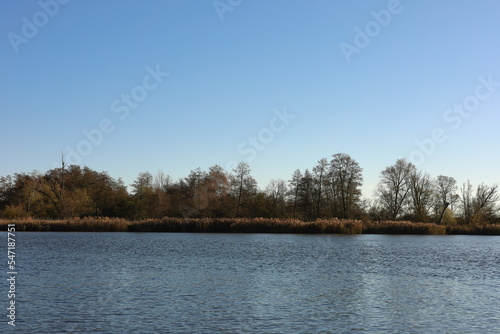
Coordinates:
67	69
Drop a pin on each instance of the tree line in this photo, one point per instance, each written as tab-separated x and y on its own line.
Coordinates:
331	188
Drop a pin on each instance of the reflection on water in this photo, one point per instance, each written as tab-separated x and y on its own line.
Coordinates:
255	283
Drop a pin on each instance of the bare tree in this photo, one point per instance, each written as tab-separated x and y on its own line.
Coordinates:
276	191
421	193
62	198
240	182
484	204
466	200
162	181
393	188
445	194
306	190
294	189
319	174
346	177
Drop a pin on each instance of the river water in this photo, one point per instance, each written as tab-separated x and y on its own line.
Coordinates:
254	283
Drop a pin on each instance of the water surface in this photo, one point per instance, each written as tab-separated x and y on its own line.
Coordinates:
256	283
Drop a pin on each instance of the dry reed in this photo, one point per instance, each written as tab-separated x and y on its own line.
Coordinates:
245	225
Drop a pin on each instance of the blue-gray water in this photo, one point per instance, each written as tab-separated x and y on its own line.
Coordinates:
255	283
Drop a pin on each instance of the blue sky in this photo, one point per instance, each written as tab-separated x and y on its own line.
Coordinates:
68	67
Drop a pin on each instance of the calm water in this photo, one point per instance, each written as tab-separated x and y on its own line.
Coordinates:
252	283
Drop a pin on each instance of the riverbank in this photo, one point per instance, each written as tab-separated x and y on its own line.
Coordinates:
246	225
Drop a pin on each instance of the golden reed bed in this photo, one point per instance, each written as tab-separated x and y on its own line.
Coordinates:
246	225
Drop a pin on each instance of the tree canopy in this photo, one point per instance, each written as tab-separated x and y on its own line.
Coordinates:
331	188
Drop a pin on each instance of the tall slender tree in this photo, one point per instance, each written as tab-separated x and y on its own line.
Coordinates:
294	190
243	184
306	195
346	179
421	194
319	176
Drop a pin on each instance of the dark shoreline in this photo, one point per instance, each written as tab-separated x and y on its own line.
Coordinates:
246	225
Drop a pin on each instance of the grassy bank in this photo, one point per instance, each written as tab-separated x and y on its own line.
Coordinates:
246	225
